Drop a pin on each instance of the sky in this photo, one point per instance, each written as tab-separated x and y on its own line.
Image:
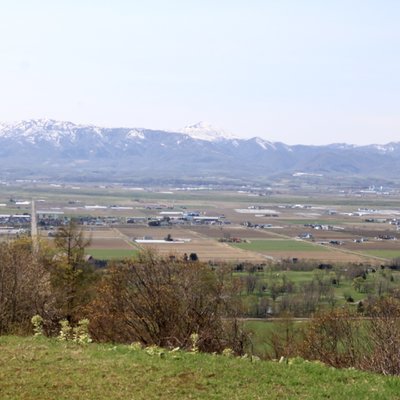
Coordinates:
295	71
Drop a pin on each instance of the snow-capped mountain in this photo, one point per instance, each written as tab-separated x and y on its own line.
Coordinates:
205	131
36	132
50	148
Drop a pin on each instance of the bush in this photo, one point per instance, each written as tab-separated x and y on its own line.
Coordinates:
162	302
384	337
24	286
335	338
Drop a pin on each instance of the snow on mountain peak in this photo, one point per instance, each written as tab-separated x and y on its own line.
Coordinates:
386	148
205	131
266	145
43	129
136	134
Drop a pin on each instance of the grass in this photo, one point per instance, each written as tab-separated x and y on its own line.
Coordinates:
298	276
389	254
108	254
279	245
260	332
38	368
341	291
345	286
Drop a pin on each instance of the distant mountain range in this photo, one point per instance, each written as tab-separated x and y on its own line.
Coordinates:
62	150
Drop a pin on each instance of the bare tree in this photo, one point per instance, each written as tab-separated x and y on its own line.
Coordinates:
335	338
160	301
24	286
384	337
71	275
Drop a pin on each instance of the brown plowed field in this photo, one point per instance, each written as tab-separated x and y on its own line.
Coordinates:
243	233
374	245
206	250
110	243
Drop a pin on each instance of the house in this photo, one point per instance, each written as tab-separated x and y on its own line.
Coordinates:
306	236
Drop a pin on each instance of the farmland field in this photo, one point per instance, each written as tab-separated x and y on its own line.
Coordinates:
270	223
108	254
280	249
388	254
274	246
279	245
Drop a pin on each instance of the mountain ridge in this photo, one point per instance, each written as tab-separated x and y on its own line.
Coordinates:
63	149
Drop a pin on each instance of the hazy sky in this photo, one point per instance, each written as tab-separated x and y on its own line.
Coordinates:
297	71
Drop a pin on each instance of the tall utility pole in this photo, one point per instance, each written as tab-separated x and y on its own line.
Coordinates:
34	229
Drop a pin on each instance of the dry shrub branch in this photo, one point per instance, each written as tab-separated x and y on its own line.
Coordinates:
161	302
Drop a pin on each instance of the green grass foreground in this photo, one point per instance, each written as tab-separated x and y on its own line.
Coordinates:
40	368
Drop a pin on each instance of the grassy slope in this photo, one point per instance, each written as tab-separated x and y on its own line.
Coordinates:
32	368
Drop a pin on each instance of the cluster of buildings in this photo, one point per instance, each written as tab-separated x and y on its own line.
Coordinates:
249	224
169	218
14	224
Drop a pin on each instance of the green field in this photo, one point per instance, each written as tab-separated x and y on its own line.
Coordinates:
389	254
108	254
294	276
279	245
344	288
338	294
43	369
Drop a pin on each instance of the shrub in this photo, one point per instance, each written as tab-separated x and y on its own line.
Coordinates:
37	322
335	338
24	287
65	331
158	301
384	337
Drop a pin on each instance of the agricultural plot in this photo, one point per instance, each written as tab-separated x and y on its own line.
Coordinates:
384	249
386	254
109	237
286	209
317	234
389	245
111	243
279	245
282	249
141	231
233	232
108	243
206	248
111	253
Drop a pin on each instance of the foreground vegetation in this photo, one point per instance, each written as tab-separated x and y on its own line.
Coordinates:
39	368
168	301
